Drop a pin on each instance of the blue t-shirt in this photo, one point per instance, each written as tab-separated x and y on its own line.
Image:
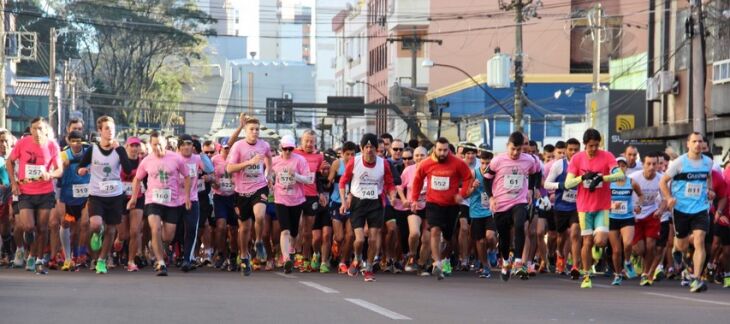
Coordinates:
479	201
621	201
689	183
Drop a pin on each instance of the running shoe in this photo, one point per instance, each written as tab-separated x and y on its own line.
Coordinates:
438	271
645	280
40	269
306	266
132	267
354	269
520	270
298	260
219	262
485	273
101	266
560	265
324	268
505	273
369	276
574	273
397	267
186	267
316	262
161	270
288	265
685	281
410	263
423	271
698	286
617	279
446	268
629	270
67	265
30	264
52	265
96	239
269	265
389	267
342	268
492	258
659	273
586	282
260	250
726	282
246	267
531	270
19	260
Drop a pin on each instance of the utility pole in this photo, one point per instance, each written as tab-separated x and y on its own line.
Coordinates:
3	106
596	23
52	115
413	43
696	74
518	6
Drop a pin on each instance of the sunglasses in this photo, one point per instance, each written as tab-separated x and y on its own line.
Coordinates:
288	149
209	152
396	149
408	158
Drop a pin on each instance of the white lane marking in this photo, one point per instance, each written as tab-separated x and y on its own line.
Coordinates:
689	299
380	310
326	290
594	285
288	276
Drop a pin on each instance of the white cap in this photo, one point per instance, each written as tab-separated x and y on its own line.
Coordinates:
287	141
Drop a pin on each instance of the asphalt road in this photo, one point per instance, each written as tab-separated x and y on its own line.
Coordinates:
211	296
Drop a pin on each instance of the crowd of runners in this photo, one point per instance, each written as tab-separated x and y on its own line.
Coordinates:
381	205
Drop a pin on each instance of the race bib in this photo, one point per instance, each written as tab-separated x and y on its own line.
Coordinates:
127	188
192	170
693	190
286	179
162	196
33	172
649	199
513	181
108	186
201	185
15	198
439	183
619	207
80	190
569	196
485	200
226	184
252	173
369	191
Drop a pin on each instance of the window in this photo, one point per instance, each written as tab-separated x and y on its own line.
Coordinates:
502	126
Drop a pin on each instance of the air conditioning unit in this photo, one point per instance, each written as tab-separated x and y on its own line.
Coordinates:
652	90
665	81
721	72
498	68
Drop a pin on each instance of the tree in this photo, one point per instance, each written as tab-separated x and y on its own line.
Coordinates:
137	53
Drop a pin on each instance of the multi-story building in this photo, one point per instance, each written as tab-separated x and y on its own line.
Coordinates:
284	31
377	74
557	56
224	13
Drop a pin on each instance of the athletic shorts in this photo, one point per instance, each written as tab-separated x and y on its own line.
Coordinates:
723	233
109	208
223	207
390	213
565	219
592	222
43	201
289	218
368	211
322	219
549	217
311	206
443	217
75	211
245	202
684	224
168	215
464	212
663	233
480	226
616	224
271	211
649	227
206	212
335	213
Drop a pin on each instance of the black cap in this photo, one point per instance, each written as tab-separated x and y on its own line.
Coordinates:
369	138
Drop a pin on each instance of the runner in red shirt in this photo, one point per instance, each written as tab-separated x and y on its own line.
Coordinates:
444	172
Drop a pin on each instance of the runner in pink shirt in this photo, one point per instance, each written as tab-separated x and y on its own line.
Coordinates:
417	226
509	178
39	161
224	202
164	171
292	172
250	162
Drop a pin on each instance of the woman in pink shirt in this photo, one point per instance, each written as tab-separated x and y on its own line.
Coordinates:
417	226
291	172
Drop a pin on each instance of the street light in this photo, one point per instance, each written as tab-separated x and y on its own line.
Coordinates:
430	64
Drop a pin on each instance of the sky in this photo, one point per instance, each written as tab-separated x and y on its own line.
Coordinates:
250	17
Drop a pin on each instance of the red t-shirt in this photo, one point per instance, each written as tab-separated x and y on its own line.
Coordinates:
444	179
314	161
